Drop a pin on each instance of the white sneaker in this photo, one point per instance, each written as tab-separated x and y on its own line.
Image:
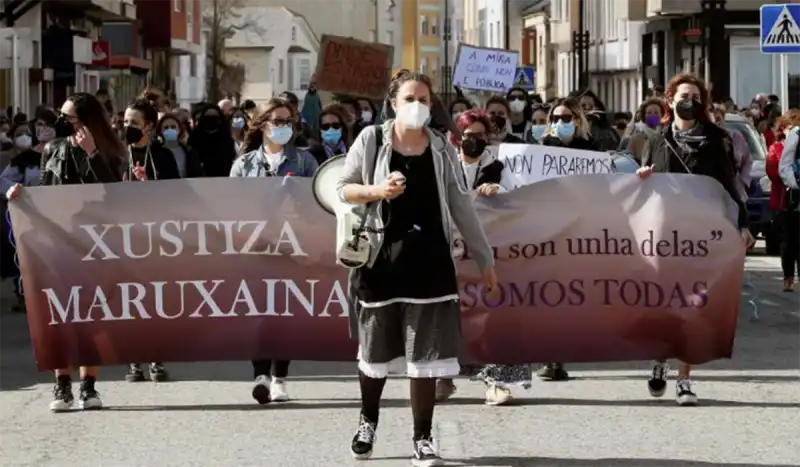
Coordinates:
683	393
496	395
278	390
261	390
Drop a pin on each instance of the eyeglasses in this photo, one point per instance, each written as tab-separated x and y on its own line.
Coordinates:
69	118
328	126
281	122
563	118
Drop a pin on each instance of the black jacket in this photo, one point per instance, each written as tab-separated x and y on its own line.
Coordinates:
64	164
318	151
714	159
160	165
574	143
194	168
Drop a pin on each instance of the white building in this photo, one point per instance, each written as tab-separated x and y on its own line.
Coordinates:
19	92
190	80
390	29
614	54
280	56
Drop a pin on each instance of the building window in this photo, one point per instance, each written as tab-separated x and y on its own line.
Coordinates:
390	37
176	5
435	26
192	65
435	68
491	35
423	65
499	31
460	29
482	27
423	25
304	72
294	33
280	71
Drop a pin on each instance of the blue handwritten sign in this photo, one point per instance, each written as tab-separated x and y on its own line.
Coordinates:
485	69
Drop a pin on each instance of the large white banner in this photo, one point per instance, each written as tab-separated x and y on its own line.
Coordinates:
531	163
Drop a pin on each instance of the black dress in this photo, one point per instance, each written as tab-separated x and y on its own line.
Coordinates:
414	261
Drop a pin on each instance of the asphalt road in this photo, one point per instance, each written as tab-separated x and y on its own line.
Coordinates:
749	412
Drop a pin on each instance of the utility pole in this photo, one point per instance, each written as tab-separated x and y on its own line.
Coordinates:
445	71
581	47
213	92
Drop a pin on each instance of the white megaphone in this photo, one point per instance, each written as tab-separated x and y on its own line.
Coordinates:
352	245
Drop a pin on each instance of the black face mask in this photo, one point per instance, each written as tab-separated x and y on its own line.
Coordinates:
499	123
688	109
64	128
473	147
210	124
133	135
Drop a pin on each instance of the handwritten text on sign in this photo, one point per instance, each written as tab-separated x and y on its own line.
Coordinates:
353	67
531	163
485	69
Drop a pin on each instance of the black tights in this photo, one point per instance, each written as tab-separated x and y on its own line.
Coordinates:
790	248
423	399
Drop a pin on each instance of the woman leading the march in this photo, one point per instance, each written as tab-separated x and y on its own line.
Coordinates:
271	154
406	301
86	150
689	142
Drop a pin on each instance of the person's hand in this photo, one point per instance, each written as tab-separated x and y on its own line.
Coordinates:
14	192
747	238
490	287
392	187
85	140
644	172
488	189
139	172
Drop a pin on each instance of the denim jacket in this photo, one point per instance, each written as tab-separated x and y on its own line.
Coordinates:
297	162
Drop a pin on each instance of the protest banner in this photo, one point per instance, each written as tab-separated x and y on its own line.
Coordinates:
531	163
353	67
597	268
485	69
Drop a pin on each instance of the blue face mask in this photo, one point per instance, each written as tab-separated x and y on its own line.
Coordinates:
564	129
170	134
537	131
332	136
281	134
238	123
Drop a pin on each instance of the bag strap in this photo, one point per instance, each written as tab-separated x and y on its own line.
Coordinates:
378	144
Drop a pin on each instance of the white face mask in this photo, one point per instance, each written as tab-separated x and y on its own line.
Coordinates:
517	106
413	115
366	116
23	142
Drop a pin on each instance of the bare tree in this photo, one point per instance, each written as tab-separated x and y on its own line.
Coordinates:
224	20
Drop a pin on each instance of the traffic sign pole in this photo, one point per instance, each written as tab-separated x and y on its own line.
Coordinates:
784	71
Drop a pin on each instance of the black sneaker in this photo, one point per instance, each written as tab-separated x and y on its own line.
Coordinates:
90	398
158	373
657	384
135	373
425	454
553	372
684	394
364	439
62	395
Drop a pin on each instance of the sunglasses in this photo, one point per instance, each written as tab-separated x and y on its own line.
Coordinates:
282	122
563	118
328	126
516	98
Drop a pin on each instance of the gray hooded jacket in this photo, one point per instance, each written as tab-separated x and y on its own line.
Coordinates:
364	168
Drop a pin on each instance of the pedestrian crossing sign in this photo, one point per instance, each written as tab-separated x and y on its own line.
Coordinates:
524	77
780	32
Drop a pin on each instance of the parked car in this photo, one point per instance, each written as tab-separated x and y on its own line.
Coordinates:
760	215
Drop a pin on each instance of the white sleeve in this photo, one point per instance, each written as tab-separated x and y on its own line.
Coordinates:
785	165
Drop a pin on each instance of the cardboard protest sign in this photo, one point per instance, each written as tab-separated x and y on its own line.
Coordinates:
485	69
531	163
353	67
628	269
